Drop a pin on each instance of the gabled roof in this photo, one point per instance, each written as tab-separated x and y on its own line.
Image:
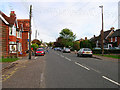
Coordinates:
1	17
106	34
8	20
116	34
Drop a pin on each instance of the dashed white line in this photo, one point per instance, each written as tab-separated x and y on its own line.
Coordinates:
82	66
61	55
68	59
111	80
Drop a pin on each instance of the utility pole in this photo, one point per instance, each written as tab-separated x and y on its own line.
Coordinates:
30	32
36	35
102	33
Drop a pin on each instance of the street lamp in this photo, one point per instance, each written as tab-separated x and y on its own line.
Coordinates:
102	32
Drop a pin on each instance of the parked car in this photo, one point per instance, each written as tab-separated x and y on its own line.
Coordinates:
40	51
66	50
97	48
84	52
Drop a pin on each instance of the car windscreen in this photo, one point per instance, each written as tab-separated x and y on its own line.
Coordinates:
87	49
40	50
67	49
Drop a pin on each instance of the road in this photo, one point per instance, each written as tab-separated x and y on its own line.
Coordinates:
64	70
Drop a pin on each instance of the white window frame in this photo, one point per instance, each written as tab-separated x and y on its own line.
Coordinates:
18	34
10	30
115	39
111	39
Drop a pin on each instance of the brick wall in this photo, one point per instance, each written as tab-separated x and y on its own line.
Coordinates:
0	38
118	41
24	42
4	44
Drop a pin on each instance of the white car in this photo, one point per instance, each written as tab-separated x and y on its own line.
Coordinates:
84	52
66	50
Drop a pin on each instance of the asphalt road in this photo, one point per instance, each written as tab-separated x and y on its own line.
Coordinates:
62	70
65	70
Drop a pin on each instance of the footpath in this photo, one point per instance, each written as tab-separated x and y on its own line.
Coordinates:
103	57
8	65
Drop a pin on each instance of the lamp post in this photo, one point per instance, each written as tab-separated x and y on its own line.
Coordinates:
102	32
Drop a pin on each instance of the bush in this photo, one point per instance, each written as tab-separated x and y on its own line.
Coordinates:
2	57
109	51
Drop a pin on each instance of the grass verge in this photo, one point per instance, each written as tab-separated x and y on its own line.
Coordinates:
8	59
111	56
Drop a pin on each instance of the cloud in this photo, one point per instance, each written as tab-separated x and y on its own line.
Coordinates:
50	17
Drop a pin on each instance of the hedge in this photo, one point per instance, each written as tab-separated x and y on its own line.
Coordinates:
109	51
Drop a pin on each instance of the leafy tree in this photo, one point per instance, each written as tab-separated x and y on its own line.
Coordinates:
65	39
67	34
34	46
85	44
76	45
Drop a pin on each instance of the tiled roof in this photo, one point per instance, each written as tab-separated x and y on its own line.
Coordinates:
116	33
10	20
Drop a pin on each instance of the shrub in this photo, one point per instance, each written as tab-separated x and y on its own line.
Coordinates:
2	57
109	51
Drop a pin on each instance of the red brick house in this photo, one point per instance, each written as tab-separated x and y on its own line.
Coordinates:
114	39
25	34
8	27
14	36
97	39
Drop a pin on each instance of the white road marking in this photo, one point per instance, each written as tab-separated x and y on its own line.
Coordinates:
82	66
41	77
111	80
62	56
35	57
68	59
95	70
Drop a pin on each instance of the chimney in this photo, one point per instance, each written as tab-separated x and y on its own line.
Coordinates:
112	28
12	14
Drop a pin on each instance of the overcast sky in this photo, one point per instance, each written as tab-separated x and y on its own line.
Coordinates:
49	17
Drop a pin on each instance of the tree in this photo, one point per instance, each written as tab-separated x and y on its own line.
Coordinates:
34	46
85	44
67	34
65	39
76	45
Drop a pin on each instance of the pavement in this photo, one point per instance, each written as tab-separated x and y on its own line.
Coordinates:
103	58
7	65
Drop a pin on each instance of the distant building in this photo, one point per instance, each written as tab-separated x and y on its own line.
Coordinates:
114	39
97	39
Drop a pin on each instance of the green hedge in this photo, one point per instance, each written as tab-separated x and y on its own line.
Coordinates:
110	51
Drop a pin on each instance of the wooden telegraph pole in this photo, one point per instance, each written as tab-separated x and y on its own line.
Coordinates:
102	33
30	32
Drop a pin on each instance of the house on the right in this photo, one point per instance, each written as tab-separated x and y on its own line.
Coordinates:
114	39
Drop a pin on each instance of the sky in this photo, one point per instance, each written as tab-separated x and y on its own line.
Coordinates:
49	17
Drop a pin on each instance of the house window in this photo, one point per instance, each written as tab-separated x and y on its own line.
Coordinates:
19	47
111	39
10	31
115	39
18	34
14	30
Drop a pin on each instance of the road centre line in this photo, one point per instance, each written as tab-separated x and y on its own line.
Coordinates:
111	80
68	59
82	66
